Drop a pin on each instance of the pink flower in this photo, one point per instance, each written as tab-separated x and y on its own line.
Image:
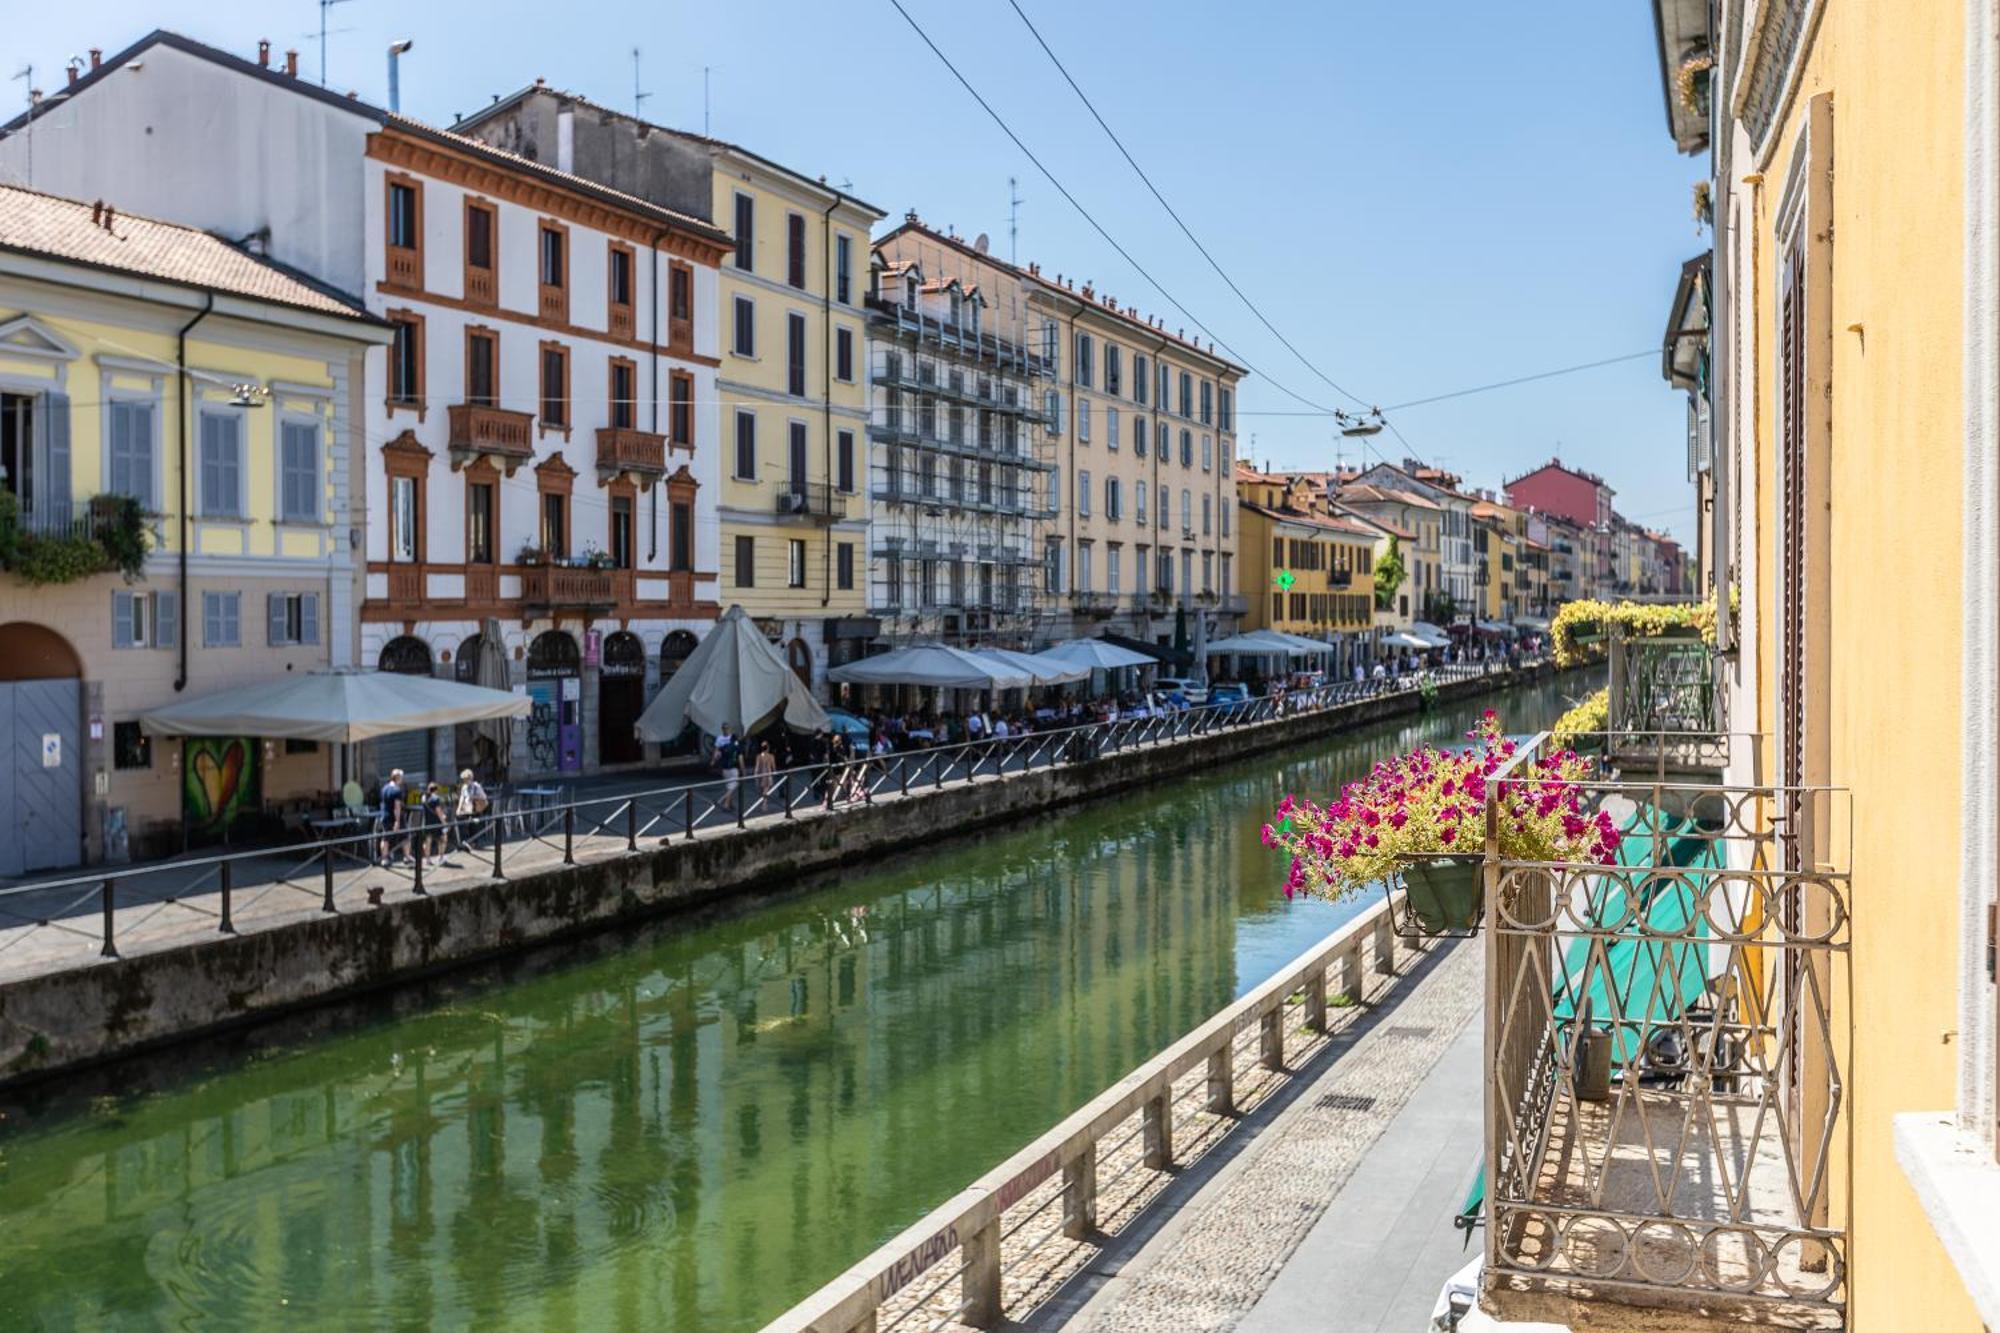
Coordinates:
1448	836
1398	818
1373	840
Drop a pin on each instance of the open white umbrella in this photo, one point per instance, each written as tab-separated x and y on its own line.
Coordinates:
341	706
933	665
1264	643
1096	654
1045	669
1431	634
735	676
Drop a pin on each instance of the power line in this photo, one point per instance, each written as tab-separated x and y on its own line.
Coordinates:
1524	379
1193	240
1096	226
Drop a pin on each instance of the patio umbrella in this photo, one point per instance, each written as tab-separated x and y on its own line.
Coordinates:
1265	643
933	665
734	676
340	706
1096	654
1046	670
490	671
1431	635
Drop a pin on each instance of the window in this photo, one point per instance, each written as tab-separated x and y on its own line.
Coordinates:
221	620
1187	510
795	457
221	464
479	543
292	618
555	524
1138	378
1114	498
1083	570
1083	493
1225	520
141	620
1139	494
481	287
746	218
1139	436
746	446
680	304
1207	403
1166	514
795	250
482	367
129	427
131	747
1083	420
1207	507
624	393
680	545
298	472
1187	448
843	460
843	270
622	282
1165	448
1052	411
402	215
406	361
1207	451
1227	420
1111	428
1165	376
1052	566
404	517
745	343
746	561
554	272
404	228
1114	370
555	386
843	566
1114	577
795	354
843	355
795	562
680	409
1083	360
1187	395
621	532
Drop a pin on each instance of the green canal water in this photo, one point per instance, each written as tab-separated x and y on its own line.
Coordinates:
689	1126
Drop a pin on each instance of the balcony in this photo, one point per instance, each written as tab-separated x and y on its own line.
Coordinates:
636	453
1235	604
406	267
811	501
1096	604
573	588
478	431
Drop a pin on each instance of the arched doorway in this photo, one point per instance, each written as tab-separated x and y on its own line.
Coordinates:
800	658
41	758
474	745
555	693
621	697
410	751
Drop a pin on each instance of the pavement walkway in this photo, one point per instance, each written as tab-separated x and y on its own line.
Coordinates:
1339	1214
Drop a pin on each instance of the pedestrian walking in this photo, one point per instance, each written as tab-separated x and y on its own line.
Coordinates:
728	760
471	804
392	818
766	769
436	827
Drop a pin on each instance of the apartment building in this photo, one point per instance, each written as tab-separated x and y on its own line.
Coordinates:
1456	593
1582	498
540	439
1312	567
1421	521
791	385
181	428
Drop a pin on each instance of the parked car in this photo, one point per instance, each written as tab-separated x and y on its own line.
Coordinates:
1229	692
1192	694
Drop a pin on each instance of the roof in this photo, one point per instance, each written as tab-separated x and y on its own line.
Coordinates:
1687	326
1680	32
1562	467
100	237
1364	492
1345	526
367	111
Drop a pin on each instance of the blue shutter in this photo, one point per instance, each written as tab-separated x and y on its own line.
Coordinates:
166	619
57	469
274	616
121	620
309	619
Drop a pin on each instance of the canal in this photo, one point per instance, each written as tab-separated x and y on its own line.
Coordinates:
691	1125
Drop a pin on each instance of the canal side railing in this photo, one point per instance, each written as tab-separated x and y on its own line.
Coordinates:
982	1252
103	911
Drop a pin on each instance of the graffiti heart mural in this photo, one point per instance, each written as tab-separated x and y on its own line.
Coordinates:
218	784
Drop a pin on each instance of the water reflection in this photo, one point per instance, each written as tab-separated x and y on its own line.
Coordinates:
691	1129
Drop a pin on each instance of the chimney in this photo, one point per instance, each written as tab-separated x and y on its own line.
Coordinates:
566	138
96	57
263	53
72	76
292	63
97	214
109	213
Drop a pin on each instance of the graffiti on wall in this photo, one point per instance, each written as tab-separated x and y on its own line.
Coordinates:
219	785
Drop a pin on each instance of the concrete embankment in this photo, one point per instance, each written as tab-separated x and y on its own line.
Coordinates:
101	1009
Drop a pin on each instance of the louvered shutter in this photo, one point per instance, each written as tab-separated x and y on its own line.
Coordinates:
57	453
121	620
166	619
274	617
309	619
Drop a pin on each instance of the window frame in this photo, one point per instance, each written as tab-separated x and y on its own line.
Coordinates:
680	410
484	291
315	485
738	441
795	562
491	337
567	421
240	509
418	400
620	316
746	232
554	295
612	365
743	329
413	253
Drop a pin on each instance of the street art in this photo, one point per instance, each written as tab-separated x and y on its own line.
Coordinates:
219	784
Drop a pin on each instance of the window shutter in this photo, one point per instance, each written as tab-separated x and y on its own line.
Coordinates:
166	619
58	452
274	615
121	620
309	619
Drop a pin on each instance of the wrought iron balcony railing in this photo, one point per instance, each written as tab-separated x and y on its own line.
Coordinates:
816	501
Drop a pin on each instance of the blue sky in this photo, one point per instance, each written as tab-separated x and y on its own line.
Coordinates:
1423	197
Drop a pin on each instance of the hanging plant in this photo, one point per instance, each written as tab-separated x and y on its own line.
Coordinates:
1692	80
1704	203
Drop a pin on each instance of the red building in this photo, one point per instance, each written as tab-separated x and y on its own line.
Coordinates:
1585	500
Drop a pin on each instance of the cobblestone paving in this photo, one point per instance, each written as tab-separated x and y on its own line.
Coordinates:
1238	1234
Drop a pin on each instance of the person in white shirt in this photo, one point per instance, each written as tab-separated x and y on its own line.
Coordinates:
1000	731
975	725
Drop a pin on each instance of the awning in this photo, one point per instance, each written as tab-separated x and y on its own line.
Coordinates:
1494	629
1159	652
1431	635
339	706
734	675
1401	639
1532	624
1045	668
934	666
1266	643
1096	654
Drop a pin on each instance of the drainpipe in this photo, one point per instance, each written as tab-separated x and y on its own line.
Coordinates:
181	429
826	404
653	533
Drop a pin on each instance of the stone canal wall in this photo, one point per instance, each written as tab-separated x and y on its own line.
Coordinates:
111	1007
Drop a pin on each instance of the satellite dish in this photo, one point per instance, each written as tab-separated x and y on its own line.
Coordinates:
981	243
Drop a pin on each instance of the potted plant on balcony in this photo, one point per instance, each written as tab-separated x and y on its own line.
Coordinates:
531	554
1423	817
593	558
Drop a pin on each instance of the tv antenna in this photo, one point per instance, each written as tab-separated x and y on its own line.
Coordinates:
325	5
1014	202
638	98
705	71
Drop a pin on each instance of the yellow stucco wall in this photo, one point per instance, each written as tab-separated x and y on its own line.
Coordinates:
1895	73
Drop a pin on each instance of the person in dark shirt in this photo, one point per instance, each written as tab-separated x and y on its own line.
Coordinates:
392	817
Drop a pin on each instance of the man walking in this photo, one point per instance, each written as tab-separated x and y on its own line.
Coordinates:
392	817
728	762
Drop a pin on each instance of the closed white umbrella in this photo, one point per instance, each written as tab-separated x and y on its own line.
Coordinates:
339	706
1045	669
734	676
933	666
1097	655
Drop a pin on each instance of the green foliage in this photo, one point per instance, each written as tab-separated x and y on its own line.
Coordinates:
1389	574
115	540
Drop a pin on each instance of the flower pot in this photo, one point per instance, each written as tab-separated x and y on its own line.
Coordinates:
1445	892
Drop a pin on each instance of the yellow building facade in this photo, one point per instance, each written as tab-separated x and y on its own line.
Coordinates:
165	395
1305	573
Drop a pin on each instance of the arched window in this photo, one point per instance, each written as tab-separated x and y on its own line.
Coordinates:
406	656
674	650
554	653
624	655
466	667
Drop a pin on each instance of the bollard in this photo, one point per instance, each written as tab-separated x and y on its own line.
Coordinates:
109	950
569	835
1222	1080
228	926
326	867
1080	1194
632	825
1159	1125
980	1287
1271	1039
